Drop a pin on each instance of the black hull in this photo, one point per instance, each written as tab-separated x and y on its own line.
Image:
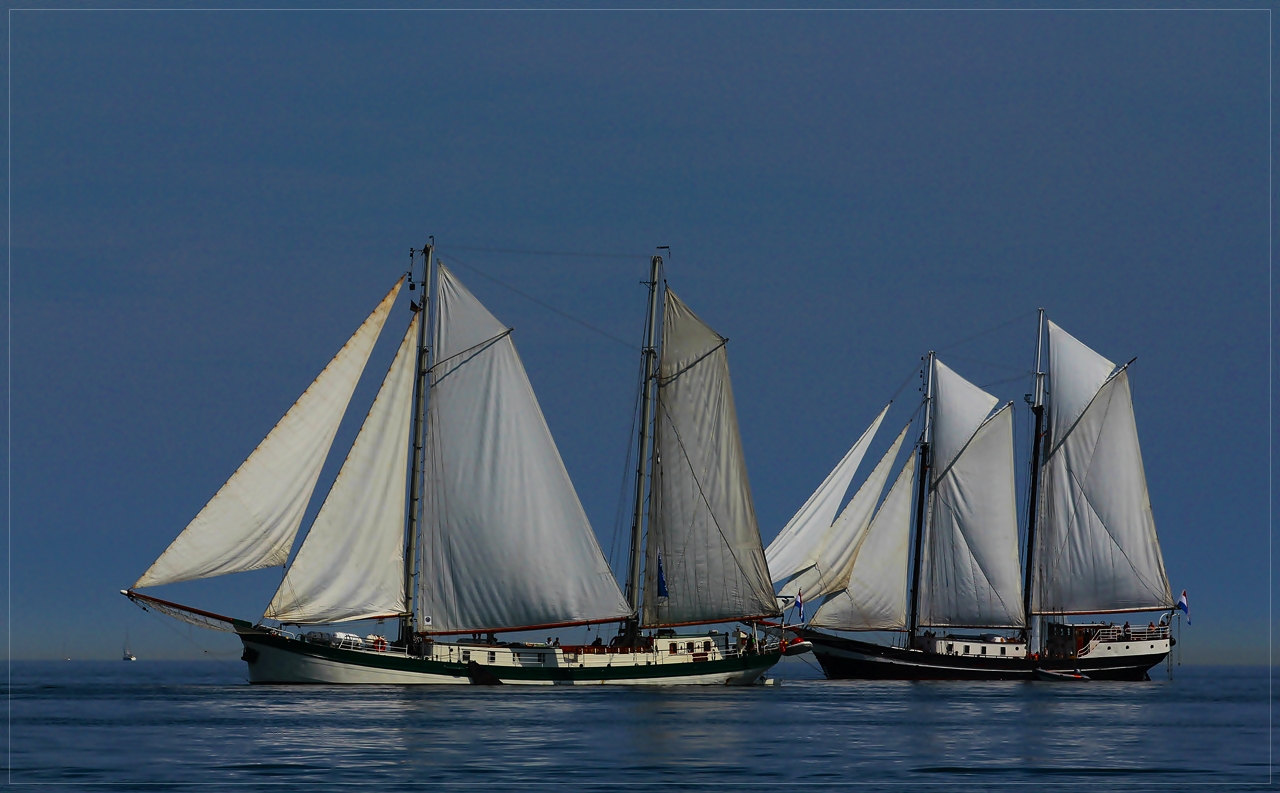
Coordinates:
850	659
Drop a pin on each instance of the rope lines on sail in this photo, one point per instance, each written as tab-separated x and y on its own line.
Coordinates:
689	535
473	348
1082	499
544	304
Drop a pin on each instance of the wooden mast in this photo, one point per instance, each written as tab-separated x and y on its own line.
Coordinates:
417	434
631	628
1033	497
922	492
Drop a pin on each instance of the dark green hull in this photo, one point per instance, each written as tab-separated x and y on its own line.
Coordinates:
278	659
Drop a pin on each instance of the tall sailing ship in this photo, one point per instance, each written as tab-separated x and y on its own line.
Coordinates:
453	514
953	590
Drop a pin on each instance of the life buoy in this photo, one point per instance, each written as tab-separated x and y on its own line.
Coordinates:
380	644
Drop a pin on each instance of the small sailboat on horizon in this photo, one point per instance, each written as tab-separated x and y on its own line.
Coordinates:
128	656
453	514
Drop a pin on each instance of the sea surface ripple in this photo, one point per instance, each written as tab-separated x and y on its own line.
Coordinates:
188	725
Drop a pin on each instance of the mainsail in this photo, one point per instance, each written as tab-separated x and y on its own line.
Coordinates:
970	571
704	561
351	565
505	541
1096	547
875	598
797	547
833	557
251	522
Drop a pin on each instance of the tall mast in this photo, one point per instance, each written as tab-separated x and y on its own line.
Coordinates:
648	356
1033	498
922	492
417	433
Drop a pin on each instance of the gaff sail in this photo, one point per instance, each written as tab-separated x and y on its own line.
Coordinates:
970	572
702	520
1096	547
505	541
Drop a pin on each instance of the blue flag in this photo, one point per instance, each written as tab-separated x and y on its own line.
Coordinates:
1182	606
800	605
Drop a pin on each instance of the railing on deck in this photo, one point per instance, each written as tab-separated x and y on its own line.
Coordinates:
1117	633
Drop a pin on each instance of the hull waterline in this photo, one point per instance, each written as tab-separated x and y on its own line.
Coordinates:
274	659
849	659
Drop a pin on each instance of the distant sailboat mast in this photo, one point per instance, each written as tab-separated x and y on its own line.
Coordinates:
922	493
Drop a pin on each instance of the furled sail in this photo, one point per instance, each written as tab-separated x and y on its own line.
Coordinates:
351	565
251	521
875	598
969	567
1096	546
505	542
704	561
833	558
796	547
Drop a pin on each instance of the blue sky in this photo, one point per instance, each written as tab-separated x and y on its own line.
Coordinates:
204	205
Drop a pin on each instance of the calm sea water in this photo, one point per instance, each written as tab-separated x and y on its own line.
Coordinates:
175	726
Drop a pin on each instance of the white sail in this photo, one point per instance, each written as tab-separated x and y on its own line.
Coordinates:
505	543
875	598
832	560
959	407
1096	545
969	566
251	521
704	561
794	549
351	565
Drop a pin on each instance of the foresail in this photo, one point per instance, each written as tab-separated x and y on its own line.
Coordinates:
251	522
1096	547
875	598
793	550
351	565
505	542
969	569
704	561
832	560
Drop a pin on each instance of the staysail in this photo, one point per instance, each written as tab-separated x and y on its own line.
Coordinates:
505	541
970	569
1096	547
351	565
795	548
832	560
875	598
251	522
704	561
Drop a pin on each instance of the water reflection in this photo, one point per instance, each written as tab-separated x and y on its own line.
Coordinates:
170	723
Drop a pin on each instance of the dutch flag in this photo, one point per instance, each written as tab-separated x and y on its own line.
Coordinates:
1182	606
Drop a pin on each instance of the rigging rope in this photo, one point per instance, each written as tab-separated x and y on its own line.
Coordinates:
545	305
991	329
528	252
